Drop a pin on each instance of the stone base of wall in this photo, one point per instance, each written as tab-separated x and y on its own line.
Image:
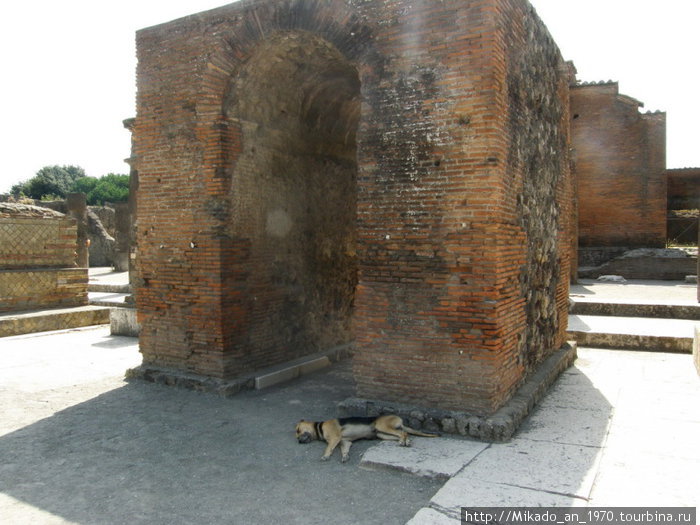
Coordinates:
260	379
29	289
592	256
123	321
498	427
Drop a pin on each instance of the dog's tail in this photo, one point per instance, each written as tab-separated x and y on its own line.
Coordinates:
419	433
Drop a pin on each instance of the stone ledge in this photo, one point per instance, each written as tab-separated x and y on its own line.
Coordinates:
35	321
498	427
661	311
263	378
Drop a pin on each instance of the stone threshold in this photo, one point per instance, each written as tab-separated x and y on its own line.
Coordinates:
498	427
263	378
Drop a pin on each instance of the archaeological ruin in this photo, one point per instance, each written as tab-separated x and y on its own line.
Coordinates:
38	259
387	179
620	163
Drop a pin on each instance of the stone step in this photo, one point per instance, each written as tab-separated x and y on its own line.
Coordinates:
632	333
109	287
19	323
108	298
619	309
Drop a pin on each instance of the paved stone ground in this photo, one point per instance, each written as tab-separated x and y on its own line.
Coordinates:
80	445
619	428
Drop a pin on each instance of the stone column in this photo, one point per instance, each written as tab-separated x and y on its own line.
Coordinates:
77	209
122	236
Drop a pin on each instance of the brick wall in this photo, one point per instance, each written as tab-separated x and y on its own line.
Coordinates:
42	288
38	259
620	158
36	242
393	173
683	188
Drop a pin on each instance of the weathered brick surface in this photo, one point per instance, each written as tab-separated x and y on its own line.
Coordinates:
620	157
27	242
683	188
38	259
393	173
42	288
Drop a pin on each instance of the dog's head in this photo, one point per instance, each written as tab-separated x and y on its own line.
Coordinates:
306	432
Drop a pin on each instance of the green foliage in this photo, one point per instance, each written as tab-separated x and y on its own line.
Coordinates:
55	182
84	185
110	188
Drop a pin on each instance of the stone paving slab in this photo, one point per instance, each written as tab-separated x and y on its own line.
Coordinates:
631	440
548	467
464	491
428	457
569	426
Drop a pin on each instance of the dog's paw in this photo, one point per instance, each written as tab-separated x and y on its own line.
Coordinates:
344	459
406	443
325	458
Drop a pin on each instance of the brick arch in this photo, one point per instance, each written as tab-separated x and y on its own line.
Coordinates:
295	106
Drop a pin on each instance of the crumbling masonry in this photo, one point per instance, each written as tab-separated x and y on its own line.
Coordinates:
389	176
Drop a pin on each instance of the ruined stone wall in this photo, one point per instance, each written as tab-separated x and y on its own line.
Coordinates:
313	173
539	166
38	259
620	157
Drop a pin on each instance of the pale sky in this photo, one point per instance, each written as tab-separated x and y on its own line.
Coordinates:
68	69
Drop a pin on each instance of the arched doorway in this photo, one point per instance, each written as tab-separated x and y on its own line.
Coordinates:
296	102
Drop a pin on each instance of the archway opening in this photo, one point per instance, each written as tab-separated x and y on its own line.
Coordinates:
293	197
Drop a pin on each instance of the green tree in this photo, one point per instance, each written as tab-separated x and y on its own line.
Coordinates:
49	181
84	185
109	188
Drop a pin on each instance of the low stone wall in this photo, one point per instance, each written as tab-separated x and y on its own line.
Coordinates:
42	287
36	239
38	260
672	265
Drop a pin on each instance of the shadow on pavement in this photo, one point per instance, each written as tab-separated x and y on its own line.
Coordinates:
146	453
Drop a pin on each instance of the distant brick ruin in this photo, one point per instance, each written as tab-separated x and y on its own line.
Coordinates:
683	204
620	159
390	176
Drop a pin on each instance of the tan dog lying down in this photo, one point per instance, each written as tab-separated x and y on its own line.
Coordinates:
346	430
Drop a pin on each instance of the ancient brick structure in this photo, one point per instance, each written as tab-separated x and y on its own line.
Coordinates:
683	188
38	260
683	204
393	175
620	159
